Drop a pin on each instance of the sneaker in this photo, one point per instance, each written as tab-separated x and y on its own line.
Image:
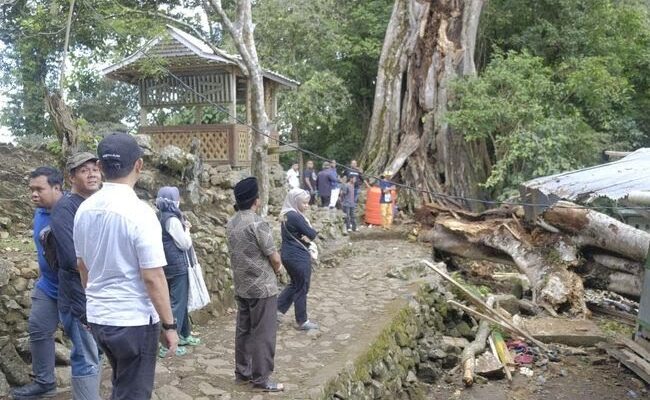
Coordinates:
34	391
308	325
189	341
280	317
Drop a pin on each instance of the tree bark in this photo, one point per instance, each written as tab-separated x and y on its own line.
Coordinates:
544	262
241	30
427	44
591	228
64	124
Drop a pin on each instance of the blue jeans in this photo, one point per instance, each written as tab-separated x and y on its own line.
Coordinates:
295	293
132	352
179	286
84	355
43	321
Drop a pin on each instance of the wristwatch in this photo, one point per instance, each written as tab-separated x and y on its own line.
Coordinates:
170	327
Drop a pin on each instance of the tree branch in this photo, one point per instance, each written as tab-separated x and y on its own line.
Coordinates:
65	50
235	32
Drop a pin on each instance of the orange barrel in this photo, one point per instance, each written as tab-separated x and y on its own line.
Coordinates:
373	210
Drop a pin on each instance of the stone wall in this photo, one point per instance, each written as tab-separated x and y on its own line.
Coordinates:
207	200
408	354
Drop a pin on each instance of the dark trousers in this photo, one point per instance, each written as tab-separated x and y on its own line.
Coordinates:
255	339
324	201
43	321
132	352
350	217
179	286
295	293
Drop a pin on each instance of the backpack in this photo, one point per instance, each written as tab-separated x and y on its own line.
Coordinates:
48	242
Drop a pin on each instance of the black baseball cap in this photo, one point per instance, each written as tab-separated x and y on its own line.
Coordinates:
119	151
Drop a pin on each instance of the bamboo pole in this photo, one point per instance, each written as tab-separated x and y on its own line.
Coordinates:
495	316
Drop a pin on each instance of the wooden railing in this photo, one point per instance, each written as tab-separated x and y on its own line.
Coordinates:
221	144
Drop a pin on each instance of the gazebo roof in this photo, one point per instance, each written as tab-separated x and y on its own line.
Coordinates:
185	54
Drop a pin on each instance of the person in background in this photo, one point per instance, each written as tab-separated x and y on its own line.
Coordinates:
323	184
177	243
386	199
297	234
335	185
120	257
293	176
85	179
349	203
45	184
255	263
355	172
309	181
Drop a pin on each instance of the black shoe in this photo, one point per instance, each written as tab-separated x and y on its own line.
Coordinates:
34	391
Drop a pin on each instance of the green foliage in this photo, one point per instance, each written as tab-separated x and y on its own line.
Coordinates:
333	48
523	113
559	81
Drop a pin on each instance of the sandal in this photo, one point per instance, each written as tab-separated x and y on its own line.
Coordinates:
269	387
189	341
162	352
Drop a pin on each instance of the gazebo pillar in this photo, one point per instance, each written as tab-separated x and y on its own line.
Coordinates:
233	92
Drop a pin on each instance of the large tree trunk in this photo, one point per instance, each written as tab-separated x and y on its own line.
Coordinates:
427	44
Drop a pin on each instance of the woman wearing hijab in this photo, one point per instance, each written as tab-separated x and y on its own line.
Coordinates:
297	234
177	244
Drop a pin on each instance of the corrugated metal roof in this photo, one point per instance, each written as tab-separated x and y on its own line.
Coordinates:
614	180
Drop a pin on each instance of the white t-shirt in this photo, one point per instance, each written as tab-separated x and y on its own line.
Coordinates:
293	179
116	234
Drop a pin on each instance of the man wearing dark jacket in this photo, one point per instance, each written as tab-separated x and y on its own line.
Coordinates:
324	185
85	180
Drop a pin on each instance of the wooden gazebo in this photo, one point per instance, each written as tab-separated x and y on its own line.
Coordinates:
208	77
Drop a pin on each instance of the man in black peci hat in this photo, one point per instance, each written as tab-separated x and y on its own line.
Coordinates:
255	263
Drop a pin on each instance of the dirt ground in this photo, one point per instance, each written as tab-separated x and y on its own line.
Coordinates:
591	377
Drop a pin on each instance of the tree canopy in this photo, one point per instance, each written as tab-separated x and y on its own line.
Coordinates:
559	81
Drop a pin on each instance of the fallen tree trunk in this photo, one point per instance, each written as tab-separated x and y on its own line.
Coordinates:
618	264
544	263
598	276
449	242
591	228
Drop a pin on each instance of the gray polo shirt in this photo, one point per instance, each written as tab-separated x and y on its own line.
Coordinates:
250	243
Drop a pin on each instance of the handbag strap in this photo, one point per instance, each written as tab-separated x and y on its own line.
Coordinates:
295	238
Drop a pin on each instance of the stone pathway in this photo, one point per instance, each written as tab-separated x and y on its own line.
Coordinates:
352	302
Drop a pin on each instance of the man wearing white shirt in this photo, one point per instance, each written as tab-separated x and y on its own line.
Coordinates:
120	258
293	177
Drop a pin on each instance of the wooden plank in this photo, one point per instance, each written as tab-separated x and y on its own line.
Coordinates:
634	363
634	346
619	316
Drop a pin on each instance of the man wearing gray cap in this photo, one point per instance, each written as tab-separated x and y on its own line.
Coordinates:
85	180
120	256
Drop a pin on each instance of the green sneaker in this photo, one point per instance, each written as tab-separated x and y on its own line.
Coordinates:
189	341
